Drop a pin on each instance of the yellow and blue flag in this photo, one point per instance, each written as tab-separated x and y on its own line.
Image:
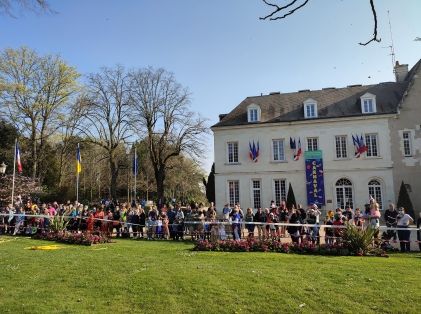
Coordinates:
78	160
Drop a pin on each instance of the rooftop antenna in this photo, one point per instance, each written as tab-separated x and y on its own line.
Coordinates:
392	47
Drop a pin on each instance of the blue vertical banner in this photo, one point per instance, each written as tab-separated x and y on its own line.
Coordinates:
315	177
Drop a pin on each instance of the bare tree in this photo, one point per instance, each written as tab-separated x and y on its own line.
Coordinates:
281	12
161	111
9	7
106	117
34	93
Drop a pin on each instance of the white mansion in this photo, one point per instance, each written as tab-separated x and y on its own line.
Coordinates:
255	145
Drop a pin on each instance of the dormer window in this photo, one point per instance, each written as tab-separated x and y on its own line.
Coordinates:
310	109
368	103
253	113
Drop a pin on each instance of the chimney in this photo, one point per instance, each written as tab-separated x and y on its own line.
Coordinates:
401	70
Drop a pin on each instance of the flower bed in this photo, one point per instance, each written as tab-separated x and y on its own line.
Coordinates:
273	245
73	238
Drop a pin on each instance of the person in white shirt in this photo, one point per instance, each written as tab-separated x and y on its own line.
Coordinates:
403	222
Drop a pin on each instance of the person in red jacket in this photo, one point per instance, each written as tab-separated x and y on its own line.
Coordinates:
90	222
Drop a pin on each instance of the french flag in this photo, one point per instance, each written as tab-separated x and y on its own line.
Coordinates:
19	164
254	151
298	151
355	141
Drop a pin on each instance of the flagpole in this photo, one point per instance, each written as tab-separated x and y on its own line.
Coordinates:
135	172
14	173
77	174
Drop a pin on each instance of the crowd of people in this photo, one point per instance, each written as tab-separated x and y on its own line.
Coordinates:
206	222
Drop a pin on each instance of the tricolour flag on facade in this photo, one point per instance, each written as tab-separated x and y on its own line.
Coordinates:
298	150
356	146
78	160
363	147
18	162
292	143
359	145
254	151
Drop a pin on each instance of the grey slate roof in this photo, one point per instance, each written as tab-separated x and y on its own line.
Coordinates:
331	103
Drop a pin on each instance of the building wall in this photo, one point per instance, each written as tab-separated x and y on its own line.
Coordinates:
359	171
408	169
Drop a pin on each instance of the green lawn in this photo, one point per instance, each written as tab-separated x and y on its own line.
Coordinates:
167	277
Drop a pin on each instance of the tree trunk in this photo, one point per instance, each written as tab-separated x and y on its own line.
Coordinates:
34	155
114	175
160	178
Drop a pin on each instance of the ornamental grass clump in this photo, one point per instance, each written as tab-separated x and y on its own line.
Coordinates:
359	241
58	224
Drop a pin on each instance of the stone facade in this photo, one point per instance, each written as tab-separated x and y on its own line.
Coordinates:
395	126
359	171
407	156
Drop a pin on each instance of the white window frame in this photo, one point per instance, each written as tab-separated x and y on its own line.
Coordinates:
280	146
236	192
257	190
370	146
234	160
253	113
310	103
368	97
312	143
343	147
281	194
376	191
407	143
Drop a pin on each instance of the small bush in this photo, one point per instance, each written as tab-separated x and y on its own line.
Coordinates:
73	238
358	241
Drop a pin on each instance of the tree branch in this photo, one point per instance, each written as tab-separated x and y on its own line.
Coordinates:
373	10
278	9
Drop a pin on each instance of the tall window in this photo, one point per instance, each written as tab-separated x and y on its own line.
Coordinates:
256	194
372	146
312	143
407	147
234	192
310	110
368	105
280	191
278	150
341	146
375	190
344	193
253	115
232	152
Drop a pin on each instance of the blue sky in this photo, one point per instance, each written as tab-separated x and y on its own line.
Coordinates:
219	49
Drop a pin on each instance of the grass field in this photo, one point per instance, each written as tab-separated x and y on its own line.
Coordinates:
167	277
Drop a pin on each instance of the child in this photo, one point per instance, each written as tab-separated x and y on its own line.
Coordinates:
221	232
159	227
358	218
165	228
329	231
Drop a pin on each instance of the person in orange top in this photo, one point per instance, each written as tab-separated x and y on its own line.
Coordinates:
100	215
